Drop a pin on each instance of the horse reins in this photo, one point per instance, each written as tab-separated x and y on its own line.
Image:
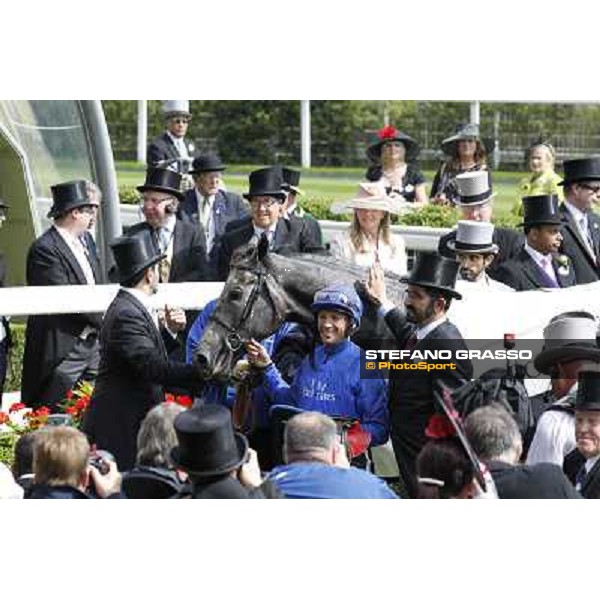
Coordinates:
233	340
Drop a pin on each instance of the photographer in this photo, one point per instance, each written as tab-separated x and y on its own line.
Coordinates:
218	461
62	470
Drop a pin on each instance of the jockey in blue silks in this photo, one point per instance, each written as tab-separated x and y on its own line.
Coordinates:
329	380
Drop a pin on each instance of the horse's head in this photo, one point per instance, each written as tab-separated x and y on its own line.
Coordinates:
252	305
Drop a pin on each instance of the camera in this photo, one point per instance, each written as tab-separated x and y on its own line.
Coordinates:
100	459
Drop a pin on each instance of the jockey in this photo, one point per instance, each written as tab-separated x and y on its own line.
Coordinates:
329	380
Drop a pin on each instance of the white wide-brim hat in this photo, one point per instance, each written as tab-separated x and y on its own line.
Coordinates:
372	196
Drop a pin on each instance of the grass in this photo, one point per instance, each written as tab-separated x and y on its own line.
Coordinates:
332	184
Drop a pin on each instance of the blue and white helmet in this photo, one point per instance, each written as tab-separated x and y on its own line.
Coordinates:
340	297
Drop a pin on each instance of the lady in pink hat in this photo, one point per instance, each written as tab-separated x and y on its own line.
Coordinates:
369	238
392	159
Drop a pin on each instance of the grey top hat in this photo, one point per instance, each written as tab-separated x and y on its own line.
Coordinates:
474	237
568	338
473	188
176	107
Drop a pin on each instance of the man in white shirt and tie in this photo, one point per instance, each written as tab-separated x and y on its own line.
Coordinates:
582	466
62	349
209	205
539	263
266	197
171	150
581	226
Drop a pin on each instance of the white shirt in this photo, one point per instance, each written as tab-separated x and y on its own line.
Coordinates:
209	227
391	256
78	250
544	262
166	234
581	219
180	145
483	284
554	435
258	231
422	332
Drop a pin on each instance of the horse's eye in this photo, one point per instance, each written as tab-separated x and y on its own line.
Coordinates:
235	294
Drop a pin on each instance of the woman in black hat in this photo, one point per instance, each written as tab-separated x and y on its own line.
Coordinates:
465	152
392	159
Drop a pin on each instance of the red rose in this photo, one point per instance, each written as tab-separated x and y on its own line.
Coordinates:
387	133
16	406
185	401
169	398
69	394
439	427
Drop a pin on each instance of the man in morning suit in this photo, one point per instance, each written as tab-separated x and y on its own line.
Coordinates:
539	264
582	466
581	226
211	207
413	398
475	201
266	198
61	349
171	150
134	365
495	438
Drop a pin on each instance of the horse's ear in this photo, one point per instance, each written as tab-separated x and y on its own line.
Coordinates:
263	246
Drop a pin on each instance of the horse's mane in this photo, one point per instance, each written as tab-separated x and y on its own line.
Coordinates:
325	260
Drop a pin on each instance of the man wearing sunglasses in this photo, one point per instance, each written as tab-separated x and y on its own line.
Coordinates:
580	225
171	150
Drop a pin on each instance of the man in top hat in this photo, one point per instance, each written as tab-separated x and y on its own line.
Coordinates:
475	252
423	326
582	466
475	202
581	226
181	241
5	333
539	263
569	347
218	461
171	150
209	205
291	181
134	365
62	349
267	198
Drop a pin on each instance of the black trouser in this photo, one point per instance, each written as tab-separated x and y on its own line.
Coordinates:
80	364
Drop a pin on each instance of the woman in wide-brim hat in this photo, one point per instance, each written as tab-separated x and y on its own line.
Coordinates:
464	151
392	157
369	238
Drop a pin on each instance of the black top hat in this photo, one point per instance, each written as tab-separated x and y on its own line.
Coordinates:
391	134
581	169
266	182
162	180
540	210
207	163
134	253
208	446
588	390
434	271
291	180
67	196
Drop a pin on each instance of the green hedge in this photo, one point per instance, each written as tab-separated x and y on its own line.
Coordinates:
15	365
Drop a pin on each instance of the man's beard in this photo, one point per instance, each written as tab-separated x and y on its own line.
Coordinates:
469	275
413	317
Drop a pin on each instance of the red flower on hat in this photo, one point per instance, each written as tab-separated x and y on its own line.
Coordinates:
387	133
16	406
